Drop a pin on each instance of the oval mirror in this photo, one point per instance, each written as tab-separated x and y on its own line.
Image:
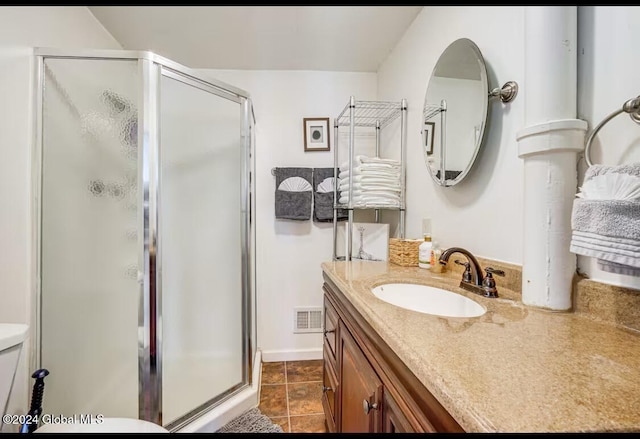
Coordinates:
455	112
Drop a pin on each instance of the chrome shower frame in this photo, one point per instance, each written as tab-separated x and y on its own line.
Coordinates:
151	68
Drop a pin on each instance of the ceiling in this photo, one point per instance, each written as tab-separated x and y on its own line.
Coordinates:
334	38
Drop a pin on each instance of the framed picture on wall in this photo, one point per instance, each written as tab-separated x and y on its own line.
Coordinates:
316	133
427	136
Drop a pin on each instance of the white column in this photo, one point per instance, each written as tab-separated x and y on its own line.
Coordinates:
549	144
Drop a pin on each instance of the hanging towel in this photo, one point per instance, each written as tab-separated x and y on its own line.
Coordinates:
293	193
606	218
323	184
613	267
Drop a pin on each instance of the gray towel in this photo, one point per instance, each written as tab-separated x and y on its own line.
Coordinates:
608	230
614	218
323	201
293	196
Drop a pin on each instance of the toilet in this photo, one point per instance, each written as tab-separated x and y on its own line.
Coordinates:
12	336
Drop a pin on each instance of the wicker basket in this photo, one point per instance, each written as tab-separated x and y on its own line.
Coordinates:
404	251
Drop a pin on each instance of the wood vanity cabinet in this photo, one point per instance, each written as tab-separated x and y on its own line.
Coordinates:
367	388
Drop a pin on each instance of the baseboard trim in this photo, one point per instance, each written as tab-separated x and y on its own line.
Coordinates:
292	355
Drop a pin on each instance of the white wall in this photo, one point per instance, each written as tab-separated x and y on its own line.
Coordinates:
20	29
289	253
608	65
483	213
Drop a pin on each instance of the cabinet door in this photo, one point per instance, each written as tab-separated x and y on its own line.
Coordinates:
393	420
361	389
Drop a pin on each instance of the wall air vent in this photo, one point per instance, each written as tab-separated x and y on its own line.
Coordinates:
307	319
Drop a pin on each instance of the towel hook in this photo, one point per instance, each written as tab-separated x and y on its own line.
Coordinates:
632	107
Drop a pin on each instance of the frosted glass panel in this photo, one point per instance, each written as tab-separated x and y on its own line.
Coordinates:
200	247
89	235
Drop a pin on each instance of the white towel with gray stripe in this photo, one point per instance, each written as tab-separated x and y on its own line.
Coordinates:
606	218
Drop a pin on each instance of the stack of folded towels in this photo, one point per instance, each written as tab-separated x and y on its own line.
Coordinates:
376	182
606	218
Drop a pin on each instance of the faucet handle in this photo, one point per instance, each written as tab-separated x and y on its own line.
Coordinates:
489	283
466	276
491	271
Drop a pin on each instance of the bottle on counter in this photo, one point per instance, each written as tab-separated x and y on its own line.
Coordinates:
424	251
436	252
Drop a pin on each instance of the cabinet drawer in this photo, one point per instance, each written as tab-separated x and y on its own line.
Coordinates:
329	395
330	328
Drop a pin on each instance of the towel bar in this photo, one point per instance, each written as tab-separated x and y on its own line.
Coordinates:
632	107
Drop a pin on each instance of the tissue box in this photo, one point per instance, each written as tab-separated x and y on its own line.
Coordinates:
404	251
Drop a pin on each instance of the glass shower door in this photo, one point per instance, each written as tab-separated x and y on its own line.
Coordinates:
200	262
89	240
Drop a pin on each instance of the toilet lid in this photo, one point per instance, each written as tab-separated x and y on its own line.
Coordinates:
108	425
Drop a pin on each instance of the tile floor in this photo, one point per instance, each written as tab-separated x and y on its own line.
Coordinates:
290	394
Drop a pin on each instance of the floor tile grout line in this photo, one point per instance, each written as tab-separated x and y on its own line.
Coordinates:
286	394
306	382
308	414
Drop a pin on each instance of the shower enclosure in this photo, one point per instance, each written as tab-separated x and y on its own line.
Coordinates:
144	293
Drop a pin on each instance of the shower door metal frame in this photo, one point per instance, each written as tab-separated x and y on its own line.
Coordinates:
151	68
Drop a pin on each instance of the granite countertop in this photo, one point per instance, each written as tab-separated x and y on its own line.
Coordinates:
514	369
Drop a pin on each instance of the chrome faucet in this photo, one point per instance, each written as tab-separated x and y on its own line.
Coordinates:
485	286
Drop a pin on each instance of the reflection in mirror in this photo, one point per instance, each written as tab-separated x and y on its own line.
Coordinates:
455	111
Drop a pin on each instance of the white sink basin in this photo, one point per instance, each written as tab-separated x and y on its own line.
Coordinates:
428	300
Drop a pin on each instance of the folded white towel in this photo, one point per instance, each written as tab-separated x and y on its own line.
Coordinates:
370	187
578	248
607	243
365	159
612	239
606	249
366	179
375	202
371	194
362	159
365	167
381	173
372	203
379	187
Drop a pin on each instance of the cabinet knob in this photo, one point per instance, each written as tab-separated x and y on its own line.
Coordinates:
329	331
367	406
326	389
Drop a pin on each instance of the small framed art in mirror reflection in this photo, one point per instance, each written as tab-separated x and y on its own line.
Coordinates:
427	136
